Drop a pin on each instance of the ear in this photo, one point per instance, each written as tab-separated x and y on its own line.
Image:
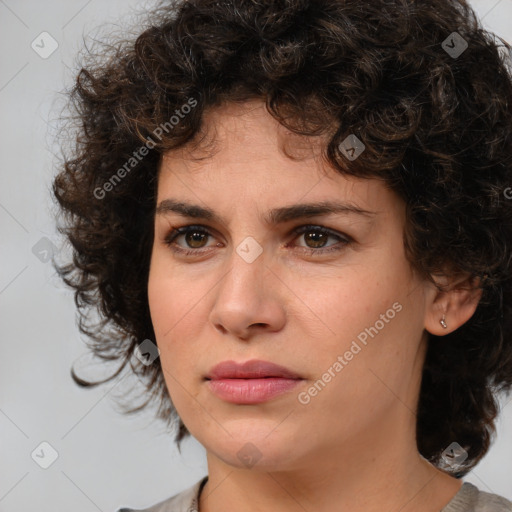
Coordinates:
457	300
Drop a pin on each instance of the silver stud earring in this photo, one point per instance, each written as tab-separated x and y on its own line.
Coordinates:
443	323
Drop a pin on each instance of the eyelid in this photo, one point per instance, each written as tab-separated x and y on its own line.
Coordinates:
319	227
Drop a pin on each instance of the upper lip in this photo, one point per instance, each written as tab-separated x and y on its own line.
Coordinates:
253	369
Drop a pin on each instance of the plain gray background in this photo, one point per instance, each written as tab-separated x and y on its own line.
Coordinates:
105	460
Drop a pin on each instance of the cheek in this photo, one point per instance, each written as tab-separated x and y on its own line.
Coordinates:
171	300
346	304
371	321
170	321
177	308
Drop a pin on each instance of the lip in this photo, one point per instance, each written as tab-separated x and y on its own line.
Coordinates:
253	369
251	382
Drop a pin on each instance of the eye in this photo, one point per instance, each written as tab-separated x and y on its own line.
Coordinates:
196	236
318	236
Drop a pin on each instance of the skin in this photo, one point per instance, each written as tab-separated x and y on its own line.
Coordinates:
352	447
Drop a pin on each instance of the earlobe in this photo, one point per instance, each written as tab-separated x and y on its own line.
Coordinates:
452	305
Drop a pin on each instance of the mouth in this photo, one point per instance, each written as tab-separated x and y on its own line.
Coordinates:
252	382
253	369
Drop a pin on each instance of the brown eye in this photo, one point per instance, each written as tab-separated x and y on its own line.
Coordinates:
194	236
316	238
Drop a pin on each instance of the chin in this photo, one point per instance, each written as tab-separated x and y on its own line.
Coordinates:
252	445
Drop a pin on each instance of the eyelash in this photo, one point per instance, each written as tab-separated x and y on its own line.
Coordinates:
173	234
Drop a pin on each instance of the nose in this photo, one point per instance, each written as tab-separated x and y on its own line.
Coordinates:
248	299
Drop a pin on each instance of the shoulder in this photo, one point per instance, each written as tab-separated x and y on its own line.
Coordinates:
468	499
185	501
487	502
471	499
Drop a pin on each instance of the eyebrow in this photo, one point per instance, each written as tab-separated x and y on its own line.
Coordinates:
273	217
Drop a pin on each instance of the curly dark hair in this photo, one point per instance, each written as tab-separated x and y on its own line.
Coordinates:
437	129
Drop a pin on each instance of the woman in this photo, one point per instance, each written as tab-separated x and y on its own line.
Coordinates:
216	157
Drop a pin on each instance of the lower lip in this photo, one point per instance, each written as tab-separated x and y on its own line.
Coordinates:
251	391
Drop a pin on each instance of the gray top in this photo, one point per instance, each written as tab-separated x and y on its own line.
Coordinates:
468	499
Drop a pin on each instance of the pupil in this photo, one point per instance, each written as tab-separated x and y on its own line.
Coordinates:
315	237
194	240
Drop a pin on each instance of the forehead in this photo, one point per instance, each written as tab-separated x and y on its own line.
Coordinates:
248	129
244	156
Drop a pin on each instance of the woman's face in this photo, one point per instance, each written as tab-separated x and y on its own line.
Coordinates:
343	311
